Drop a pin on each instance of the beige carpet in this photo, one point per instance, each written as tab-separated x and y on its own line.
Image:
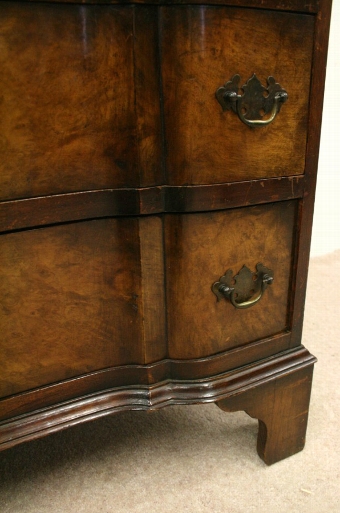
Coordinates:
192	458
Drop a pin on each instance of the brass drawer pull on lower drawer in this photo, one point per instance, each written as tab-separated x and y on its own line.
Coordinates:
255	103
246	288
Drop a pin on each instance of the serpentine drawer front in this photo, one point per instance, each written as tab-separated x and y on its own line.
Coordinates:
157	177
63	131
206	46
200	248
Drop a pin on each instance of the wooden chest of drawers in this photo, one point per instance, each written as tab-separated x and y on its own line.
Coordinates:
158	167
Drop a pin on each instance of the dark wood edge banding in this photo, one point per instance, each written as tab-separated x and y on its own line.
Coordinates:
128	375
169	392
61	208
232	195
308	6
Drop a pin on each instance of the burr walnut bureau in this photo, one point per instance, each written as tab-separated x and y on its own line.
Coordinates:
158	167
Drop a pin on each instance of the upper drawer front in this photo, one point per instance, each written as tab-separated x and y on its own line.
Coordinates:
203	48
69	118
80	95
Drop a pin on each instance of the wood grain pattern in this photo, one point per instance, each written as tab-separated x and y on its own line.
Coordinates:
149	374
199	249
69	302
60	208
307	206
68	119
229	388
147	96
311	6
202	48
108	110
282	409
153	295
83	134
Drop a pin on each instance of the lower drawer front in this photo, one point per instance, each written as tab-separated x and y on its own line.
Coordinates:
200	248
68	302
82	297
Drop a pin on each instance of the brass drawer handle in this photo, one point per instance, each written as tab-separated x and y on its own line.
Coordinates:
246	288
256	101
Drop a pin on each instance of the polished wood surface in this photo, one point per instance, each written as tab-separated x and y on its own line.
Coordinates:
279	435
224	389
79	298
90	114
311	6
79	105
199	249
214	389
99	284
148	94
202	48
307	205
69	297
153	309
126	192
60	208
128	375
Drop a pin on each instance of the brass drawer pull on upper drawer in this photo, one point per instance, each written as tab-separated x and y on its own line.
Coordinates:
246	288
256	101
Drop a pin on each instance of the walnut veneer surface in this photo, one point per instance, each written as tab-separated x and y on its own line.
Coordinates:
127	191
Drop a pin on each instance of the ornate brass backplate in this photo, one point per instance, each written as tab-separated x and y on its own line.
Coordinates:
246	288
258	105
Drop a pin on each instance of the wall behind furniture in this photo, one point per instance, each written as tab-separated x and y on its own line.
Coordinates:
326	228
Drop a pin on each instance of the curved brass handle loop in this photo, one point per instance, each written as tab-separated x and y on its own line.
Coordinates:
279	98
230	293
248	288
256	101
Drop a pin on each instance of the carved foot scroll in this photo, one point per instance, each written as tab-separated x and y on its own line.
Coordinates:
282	410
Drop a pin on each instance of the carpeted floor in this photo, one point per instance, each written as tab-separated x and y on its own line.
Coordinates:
194	458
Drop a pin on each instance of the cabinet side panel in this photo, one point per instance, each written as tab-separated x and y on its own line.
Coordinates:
69	302
200	249
67	113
